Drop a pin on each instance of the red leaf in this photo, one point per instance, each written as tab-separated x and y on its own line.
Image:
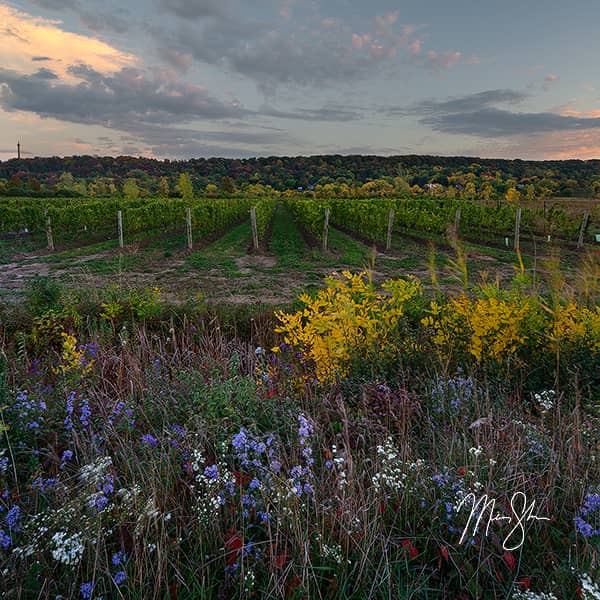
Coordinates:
444	553
280	560
510	561
233	546
524	583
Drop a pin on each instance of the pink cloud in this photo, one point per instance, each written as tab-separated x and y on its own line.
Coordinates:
443	60
358	41
23	36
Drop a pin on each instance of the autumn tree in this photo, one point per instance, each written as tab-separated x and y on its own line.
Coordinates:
513	195
163	188
131	191
185	186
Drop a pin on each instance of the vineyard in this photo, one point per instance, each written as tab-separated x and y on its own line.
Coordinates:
245	398
370	219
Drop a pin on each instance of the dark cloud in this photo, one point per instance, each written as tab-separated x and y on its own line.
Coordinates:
152	112
195	9
309	56
119	100
485	115
116	20
325	113
40	58
56	4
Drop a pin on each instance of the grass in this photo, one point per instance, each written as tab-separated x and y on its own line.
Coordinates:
220	469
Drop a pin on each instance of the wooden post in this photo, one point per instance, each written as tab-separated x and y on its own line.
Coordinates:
457	221
120	227
518	229
388	242
254	227
188	227
584	223
49	233
325	230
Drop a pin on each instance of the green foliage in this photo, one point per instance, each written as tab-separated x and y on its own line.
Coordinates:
131	191
185	187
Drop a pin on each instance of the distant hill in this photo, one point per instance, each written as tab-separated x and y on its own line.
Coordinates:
568	177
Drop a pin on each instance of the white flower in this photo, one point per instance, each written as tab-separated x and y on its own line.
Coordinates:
476	451
545	400
67	550
590	591
529	595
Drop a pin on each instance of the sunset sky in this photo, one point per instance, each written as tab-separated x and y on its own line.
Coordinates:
190	78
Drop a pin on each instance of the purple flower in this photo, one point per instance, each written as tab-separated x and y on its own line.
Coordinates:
120	577
149	440
254	484
212	472
86	590
119	558
240	440
67	455
305	428
263	516
13	518
4	539
86	412
590	525
69	407
45	485
275	466
178	431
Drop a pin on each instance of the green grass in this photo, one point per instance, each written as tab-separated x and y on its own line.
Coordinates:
286	242
220	254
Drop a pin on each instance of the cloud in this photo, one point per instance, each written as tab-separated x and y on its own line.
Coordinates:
195	9
483	115
435	61
549	80
325	113
93	19
120	100
152	109
25	39
318	51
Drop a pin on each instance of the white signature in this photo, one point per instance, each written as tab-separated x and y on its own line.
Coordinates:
522	511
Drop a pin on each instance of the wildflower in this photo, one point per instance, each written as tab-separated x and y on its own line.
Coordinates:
120	577
589	590
67	549
13	518
86	590
86	413
149	440
45	485
588	520
67	455
119	558
4	540
476	451
212	472
545	400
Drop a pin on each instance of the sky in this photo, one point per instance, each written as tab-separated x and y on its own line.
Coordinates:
198	78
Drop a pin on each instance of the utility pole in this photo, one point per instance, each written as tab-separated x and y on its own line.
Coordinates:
19	150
